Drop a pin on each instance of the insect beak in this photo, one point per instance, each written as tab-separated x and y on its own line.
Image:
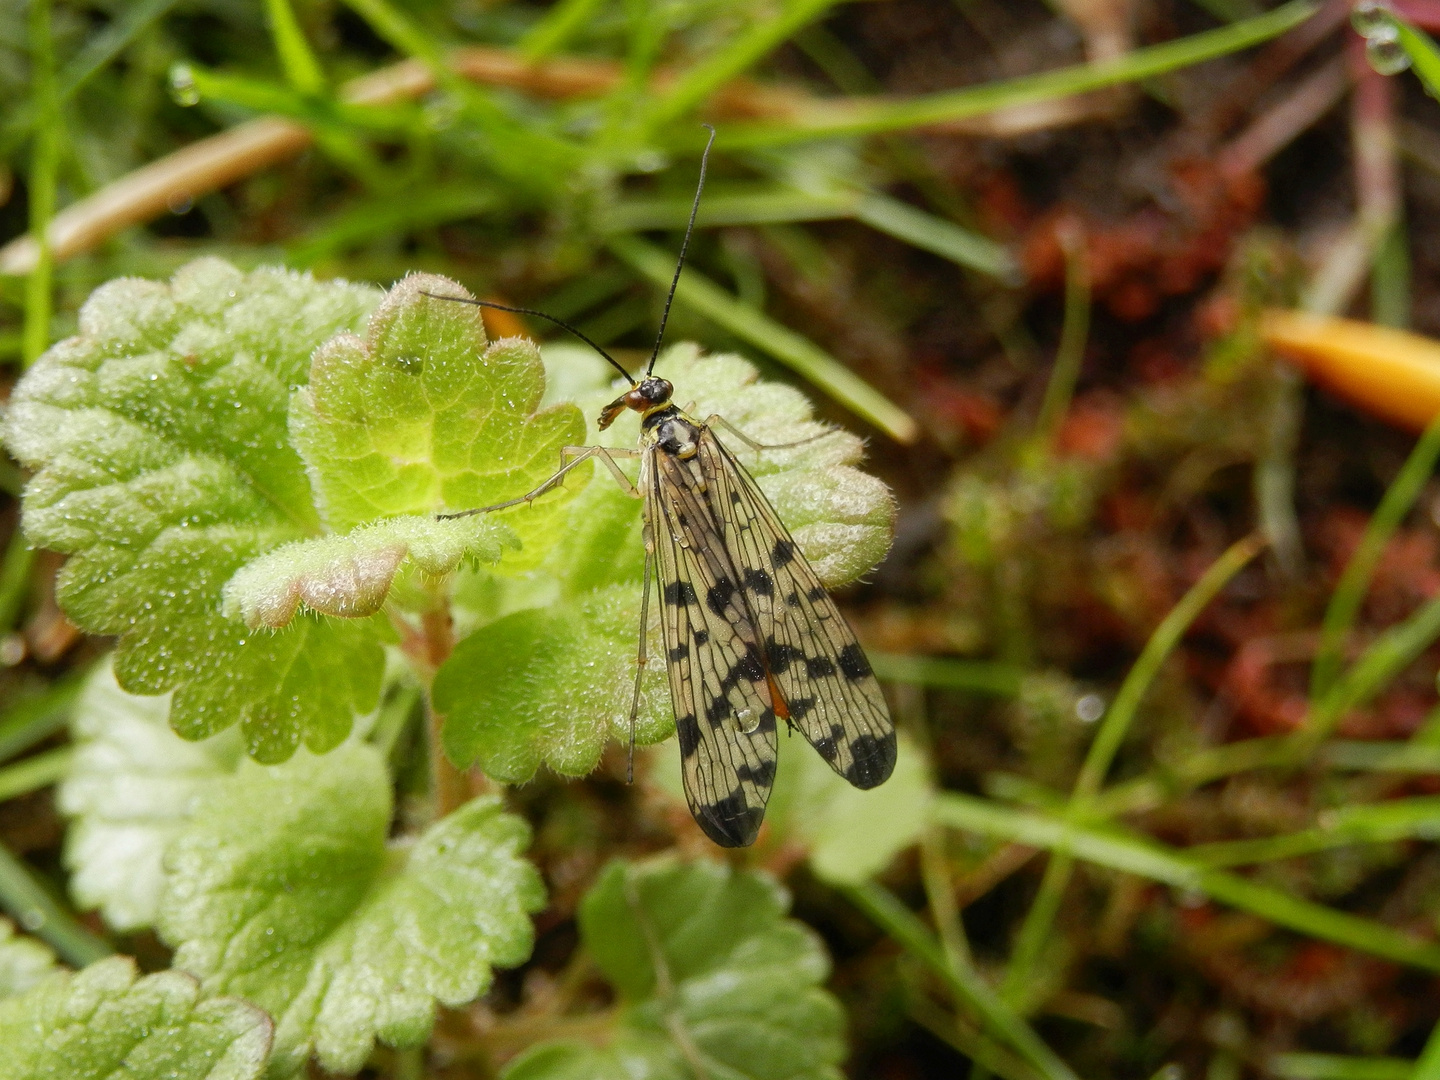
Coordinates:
610	412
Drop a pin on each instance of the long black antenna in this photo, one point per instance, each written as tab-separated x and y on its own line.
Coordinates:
539	315
684	244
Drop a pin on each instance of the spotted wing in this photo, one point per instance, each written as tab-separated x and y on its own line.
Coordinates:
724	718
828	689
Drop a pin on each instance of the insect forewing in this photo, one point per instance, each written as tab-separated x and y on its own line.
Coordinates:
724	713
830	692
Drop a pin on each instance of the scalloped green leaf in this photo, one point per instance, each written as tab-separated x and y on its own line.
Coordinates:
352	575
712	978
24	961
133	785
422	415
104	1022
510	691
550	686
283	890
163	465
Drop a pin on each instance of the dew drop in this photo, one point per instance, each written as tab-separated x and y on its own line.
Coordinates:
1385	53
1368	16
182	86
1089	708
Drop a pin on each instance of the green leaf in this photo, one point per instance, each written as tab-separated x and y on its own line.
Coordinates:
103	1022
159	436
852	834
421	415
24	962
132	786
510	691
352	575
282	890
713	980
548	686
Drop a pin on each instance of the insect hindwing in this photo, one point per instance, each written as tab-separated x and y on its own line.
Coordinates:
750	635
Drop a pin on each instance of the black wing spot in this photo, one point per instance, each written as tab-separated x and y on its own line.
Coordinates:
793	599
826	747
781	655
817	594
717	711
748	667
783	554
800	706
688	732
761	777
718	598
853	662
759	582
735	495
819	667
731	822
680	594
701	636
874	760
680	652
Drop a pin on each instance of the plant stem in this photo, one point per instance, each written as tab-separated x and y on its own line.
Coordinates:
45	164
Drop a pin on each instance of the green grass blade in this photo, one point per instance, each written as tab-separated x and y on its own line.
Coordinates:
869	117
31	719
34	773
1074	333
1337	1067
37	912
887	912
1350	590
797	353
556	27
745	49
767	206
1424	56
370	219
936	235
1147	859
1428	1067
1375	823
1395	649
992	677
1167	635
44	171
1035	930
302	70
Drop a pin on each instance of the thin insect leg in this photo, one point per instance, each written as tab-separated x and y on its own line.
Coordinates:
640	658
716	420
577	454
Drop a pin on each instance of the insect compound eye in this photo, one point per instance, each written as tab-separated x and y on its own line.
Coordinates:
656	390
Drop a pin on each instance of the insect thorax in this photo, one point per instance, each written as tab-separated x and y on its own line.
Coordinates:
672	431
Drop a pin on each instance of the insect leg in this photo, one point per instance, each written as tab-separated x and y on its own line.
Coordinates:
575	454
716	420
640	658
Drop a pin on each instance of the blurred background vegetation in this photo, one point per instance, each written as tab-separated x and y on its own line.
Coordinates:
1025	247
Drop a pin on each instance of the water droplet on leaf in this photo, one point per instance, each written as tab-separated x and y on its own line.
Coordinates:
182	86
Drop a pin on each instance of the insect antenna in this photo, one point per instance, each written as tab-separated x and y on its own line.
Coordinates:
684	244
539	315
